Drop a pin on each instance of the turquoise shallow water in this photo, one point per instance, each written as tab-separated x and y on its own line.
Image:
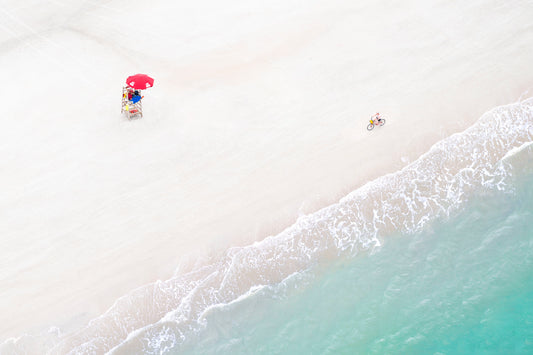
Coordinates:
432	259
463	285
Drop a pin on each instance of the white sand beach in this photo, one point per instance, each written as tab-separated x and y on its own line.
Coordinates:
258	115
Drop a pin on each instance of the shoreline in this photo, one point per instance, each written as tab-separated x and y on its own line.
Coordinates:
101	206
437	184
191	260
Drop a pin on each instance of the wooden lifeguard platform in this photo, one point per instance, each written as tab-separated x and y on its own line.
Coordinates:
129	108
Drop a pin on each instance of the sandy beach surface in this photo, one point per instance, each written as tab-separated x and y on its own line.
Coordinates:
258	115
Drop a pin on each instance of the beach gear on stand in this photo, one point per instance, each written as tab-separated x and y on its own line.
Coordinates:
131	95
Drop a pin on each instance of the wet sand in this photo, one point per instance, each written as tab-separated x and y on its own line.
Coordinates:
246	128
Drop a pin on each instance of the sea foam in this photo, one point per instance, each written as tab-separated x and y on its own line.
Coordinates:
157	317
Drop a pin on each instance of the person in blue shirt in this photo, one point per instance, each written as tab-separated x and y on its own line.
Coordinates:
136	97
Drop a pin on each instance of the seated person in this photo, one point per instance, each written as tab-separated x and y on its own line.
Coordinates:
136	97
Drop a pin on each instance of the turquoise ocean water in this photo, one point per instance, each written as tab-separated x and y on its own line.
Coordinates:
435	258
463	285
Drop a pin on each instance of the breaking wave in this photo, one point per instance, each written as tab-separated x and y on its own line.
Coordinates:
158	317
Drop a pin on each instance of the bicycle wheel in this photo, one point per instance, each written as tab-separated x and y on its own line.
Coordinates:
383	122
370	126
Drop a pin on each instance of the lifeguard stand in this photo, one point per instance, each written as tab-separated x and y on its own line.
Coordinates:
128	107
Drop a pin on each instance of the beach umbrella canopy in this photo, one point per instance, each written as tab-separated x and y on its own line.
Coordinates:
140	81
